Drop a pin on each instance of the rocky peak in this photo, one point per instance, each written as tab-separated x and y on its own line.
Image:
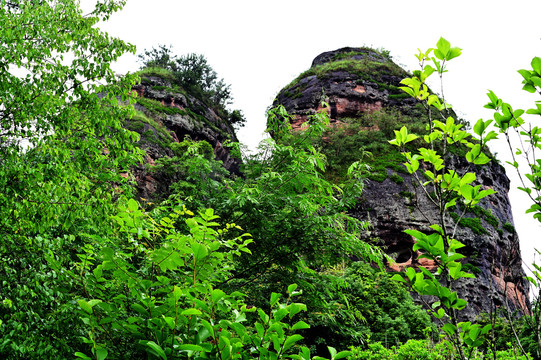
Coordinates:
352	80
167	113
361	87
349	53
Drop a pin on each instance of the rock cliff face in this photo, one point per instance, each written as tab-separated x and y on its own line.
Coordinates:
356	82
166	114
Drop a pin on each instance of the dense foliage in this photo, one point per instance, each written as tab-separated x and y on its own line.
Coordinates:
63	150
225	267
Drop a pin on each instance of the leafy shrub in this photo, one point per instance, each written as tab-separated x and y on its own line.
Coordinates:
359	304
155	293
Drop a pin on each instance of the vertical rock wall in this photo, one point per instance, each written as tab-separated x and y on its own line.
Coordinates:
356	81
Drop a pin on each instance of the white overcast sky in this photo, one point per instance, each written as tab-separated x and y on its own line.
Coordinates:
260	46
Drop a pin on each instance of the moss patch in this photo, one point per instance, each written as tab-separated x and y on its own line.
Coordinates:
150	130
366	69
472	223
157	107
397	179
509	227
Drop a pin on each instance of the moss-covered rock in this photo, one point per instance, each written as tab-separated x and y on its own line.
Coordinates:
166	114
361	87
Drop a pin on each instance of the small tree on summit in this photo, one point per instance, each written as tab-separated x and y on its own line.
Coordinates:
191	72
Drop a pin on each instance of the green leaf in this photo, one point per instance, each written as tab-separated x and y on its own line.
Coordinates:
140	309
416	234
101	354
169	321
449	329
342	355
291	340
94	302
291	288
443	47
536	65
190	347
217	295
85	306
300	325
177	293
133	205
468	178
191	311
274	298
199	251
475	330
295	308
156	349
280	314
82	356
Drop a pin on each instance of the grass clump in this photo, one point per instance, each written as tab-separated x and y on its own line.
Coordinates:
157	71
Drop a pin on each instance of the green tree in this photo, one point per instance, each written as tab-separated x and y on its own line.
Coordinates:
359	304
524	145
192	72
445	187
155	292
62	154
297	217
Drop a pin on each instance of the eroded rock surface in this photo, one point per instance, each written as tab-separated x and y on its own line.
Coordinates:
183	115
492	245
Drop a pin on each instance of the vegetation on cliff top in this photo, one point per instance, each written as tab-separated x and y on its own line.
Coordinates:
368	68
193	75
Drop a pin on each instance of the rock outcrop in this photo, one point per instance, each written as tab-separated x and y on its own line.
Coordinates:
359	81
168	114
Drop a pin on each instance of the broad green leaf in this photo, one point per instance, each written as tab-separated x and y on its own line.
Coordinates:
475	330
156	349
217	295
132	205
190	347
94	302
177	293
332	351
101	354
449	329
199	251
443	47
343	354
291	288
280	314
82	356
140	309
274	298
85	306
169	321
536	65
300	325
291	340
191	311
